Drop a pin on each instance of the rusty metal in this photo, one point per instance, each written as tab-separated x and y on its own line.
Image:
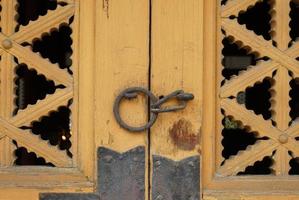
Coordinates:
176	180
71	196
121	176
155	105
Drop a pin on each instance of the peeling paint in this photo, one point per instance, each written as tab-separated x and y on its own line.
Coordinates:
183	135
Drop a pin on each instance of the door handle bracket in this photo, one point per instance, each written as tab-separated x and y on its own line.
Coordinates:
155	105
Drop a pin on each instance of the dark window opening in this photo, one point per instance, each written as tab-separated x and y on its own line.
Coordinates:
294	24
56	46
31	87
236	137
257	98
262	167
55	128
25	158
257	18
236	59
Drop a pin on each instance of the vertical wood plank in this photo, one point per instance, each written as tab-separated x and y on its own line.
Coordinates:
122	61
7	149
210	57
281	23
86	153
281	99
8	14
281	116
177	63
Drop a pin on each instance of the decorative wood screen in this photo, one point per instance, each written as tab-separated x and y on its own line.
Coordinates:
256	129
39	101
36	82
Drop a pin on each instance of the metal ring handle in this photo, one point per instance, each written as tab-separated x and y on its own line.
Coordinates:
129	94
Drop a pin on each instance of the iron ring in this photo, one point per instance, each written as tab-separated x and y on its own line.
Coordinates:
132	93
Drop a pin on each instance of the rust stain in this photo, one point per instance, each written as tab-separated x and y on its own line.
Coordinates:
183	135
106	7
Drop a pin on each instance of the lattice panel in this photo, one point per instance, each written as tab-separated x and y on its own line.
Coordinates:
36	82
259	88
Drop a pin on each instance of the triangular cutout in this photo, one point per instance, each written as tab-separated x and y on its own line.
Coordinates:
258	98
30	10
31	87
236	137
294	164
56	46
294	23
257	18
26	158
262	167
55	128
294	101
223	2
236	58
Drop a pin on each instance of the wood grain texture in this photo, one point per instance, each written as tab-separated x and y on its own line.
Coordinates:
122	61
122	39
281	20
7	149
177	63
74	178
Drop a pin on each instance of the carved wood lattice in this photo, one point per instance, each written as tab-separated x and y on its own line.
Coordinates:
281	66
17	43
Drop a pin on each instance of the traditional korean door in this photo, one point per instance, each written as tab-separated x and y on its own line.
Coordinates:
250	129
64	62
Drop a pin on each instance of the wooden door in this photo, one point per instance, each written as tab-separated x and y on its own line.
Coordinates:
63	63
250	118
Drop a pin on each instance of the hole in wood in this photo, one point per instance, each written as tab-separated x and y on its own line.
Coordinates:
31	87
236	58
236	137
262	167
294	23
55	128
31	10
257	18
25	158
257	98
294	101
56	46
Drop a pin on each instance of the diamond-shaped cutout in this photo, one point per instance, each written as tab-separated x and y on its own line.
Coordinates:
30	10
258	98
257	18
56	46
31	87
55	128
262	167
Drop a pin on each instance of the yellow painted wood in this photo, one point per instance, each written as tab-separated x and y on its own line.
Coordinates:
177	63
7	149
79	177
280	21
217	180
122	40
122	61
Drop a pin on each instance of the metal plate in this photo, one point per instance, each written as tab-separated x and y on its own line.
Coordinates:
121	176
72	196
176	180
